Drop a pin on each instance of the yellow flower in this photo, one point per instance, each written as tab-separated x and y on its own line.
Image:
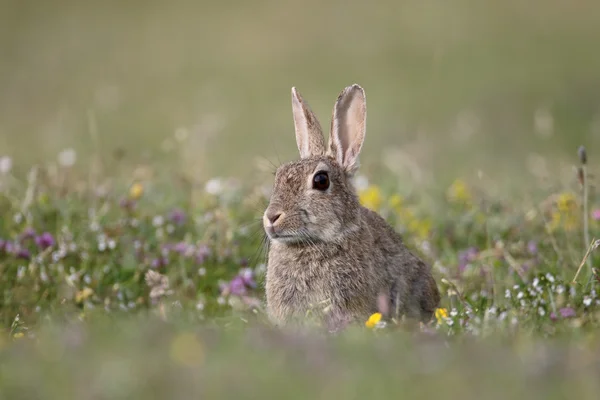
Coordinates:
566	202
19	335
136	191
373	320
459	192
187	350
420	227
566	215
396	201
371	197
440	314
83	295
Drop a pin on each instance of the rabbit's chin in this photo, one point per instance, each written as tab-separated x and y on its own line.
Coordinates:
292	239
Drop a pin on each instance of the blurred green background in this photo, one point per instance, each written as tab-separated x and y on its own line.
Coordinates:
457	86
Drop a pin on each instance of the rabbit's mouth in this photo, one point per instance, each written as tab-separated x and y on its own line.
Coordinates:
287	237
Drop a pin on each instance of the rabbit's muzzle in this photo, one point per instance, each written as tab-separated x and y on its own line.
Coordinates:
272	219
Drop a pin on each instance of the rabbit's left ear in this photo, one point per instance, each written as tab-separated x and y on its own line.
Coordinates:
348	127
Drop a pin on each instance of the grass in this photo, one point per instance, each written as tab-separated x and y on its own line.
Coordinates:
137	144
154	288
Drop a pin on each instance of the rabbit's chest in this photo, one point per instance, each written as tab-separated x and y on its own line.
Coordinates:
297	283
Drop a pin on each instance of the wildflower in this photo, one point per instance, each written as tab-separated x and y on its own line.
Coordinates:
466	257
532	247
214	186
247	276
67	158
202	253
566	202
158	262
236	287
420	228
23	254
596	214
18	335
396	201
361	182
127	204
459	192
45	240
136	191
83	295
567	312
5	165
373	320
177	216
28	233
158	284
187	350
182	248
441	314
371	197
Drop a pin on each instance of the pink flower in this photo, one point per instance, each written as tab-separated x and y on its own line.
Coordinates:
596	214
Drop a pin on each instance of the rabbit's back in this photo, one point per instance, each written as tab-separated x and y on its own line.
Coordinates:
413	290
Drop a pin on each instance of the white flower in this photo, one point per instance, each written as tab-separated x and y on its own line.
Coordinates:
67	158
214	186
520	295
587	301
158	220
361	182
550	277
5	165
541	311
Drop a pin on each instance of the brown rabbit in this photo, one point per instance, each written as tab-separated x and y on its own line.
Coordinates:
325	248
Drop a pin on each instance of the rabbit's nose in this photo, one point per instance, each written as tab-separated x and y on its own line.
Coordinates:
273	216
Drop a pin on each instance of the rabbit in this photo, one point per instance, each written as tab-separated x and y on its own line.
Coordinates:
325	248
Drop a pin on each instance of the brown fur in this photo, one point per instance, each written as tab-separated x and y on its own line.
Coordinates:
326	249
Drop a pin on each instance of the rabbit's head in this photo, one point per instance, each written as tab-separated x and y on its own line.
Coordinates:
313	199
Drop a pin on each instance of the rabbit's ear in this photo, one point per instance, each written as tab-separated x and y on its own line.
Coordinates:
309	136
348	127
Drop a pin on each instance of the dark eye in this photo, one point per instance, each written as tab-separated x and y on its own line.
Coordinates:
321	181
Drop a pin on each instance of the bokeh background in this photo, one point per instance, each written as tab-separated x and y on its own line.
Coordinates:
453	87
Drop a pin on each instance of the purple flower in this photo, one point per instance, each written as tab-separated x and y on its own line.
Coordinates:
24	254
202	253
466	257
9	247
177	216
127	204
565	312
27	234
181	248
532	247
45	240
158	262
596	214
237	286
247	276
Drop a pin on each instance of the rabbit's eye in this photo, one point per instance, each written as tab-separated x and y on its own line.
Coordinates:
321	181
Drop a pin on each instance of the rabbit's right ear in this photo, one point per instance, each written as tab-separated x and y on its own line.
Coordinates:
309	136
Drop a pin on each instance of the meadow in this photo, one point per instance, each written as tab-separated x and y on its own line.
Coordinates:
137	146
